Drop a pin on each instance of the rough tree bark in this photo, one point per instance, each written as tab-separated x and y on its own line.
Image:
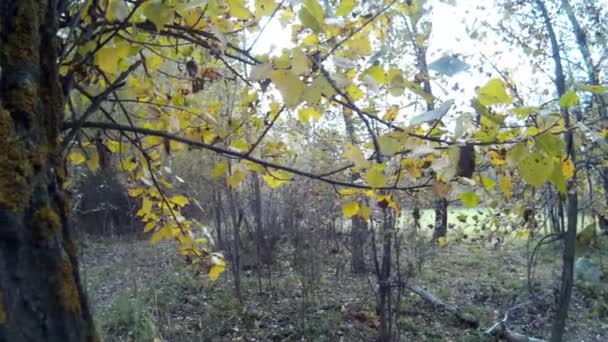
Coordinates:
41	298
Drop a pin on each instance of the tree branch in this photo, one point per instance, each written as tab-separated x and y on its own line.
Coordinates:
232	153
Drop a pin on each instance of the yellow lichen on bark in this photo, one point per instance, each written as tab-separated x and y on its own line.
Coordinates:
21	51
15	168
47	223
95	338
69	290
2	310
24	96
71	248
21	46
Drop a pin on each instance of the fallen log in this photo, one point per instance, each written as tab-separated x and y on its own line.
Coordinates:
464	317
501	330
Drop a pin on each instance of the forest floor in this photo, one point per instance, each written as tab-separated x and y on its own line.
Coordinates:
141	292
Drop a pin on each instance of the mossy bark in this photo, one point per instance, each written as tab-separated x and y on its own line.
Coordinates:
41	298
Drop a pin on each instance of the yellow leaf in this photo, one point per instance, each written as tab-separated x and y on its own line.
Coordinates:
364	212
523	234
264	7
236	178
149	141
136	192
216	269
387	201
442	241
377	73
569	99
354	154
506	185
442	189
496	158
219	169
213	8
311	40
536	168
289	85
300	63
67	185
320	86
146	207
107	58
191	17
315	9
389	144
161	234
179	200
413	167
360	46
346	6
93	162
309	20
391	113
149	226
201	240
350	209
153	62
282	61
349	192
113	146
129	164
375	176
76	158
117	10
276	178
354	92
396	82
251	166
159	13
307	113
493	92
238	10
568	169
420	39
469	198
240	145
260	72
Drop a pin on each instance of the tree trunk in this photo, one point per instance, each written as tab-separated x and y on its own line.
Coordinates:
441	204
567	277
358	232
237	216
217	213
384	278
259	233
358	238
441	218
41	298
603	218
594	79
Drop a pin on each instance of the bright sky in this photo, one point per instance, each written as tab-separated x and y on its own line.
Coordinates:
449	35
